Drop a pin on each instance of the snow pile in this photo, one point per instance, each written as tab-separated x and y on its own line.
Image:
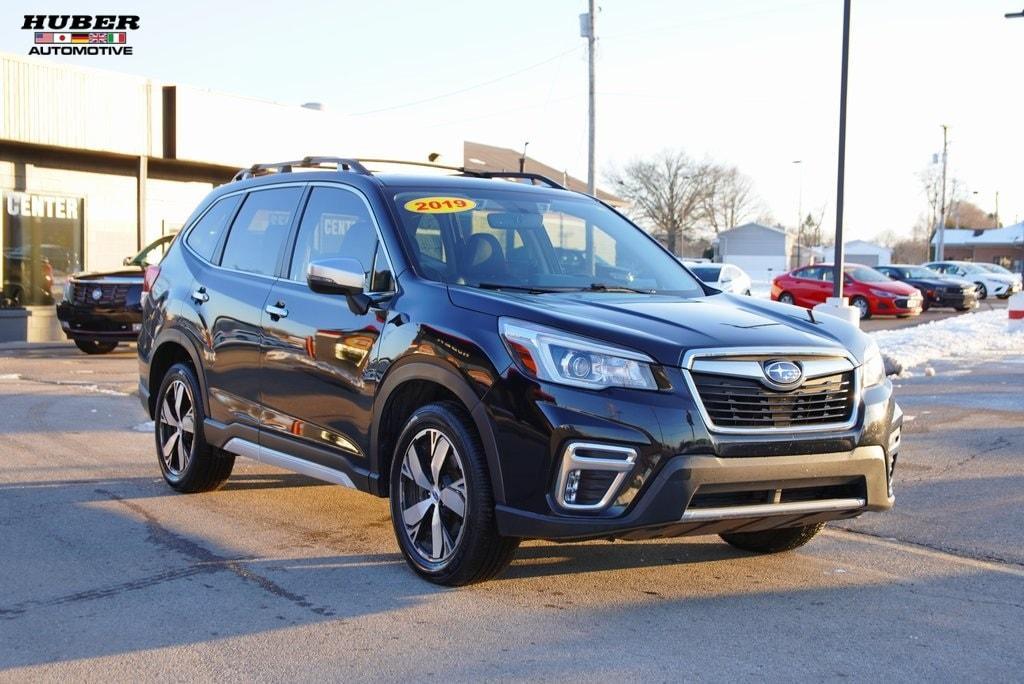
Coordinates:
762	289
988	333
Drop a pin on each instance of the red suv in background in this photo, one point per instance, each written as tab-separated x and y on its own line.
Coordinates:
872	292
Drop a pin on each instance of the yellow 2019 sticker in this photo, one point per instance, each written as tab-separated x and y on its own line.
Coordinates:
439	205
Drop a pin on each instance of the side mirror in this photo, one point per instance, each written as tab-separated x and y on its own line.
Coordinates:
340	275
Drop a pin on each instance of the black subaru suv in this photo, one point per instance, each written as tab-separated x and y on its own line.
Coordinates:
424	338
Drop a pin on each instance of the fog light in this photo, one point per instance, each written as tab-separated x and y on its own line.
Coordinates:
136	327
572	483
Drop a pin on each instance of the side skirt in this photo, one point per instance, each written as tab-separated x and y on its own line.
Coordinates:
244	447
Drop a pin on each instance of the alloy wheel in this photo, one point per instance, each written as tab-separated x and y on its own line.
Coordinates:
432	496
177	427
862	307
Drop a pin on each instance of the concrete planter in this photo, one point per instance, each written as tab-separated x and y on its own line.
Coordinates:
13	325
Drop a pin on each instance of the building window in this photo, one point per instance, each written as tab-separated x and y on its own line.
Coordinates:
42	245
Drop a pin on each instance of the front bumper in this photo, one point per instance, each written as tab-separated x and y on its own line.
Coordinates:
958	300
87	323
665	509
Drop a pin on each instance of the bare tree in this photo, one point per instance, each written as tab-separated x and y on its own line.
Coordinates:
667	192
729	200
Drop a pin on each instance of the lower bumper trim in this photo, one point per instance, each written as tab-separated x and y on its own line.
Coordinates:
762	510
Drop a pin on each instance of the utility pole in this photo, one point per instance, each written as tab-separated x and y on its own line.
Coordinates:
587	31
522	159
940	249
837	274
799	212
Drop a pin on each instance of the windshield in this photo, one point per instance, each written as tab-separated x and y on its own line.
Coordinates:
995	268
867	275
919	272
709	274
153	252
499	239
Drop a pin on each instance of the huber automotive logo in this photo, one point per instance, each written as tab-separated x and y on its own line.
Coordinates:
80	34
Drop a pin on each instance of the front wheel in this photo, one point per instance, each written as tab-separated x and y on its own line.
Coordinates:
442	508
96	346
773	541
982	291
863	308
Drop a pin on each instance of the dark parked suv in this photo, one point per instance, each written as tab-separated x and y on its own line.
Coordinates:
428	339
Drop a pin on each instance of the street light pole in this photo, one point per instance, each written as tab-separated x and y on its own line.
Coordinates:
799	212
1014	15
587	31
837	275
940	248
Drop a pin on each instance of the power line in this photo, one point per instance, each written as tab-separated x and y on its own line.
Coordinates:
468	88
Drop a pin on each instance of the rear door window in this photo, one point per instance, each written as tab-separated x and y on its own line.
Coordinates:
260	230
206	235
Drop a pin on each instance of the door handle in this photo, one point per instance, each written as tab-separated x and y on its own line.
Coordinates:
277	311
200	295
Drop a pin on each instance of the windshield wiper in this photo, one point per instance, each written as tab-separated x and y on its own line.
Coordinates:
602	287
517	288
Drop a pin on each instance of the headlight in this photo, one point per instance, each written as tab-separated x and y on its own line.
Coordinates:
883	293
68	286
560	357
872	371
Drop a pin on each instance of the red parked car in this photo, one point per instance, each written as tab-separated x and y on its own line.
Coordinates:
873	293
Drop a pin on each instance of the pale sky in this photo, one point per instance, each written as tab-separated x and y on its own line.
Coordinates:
755	84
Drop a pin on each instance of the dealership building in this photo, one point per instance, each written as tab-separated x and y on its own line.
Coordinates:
94	165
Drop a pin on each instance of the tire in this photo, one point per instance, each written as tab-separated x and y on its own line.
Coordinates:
96	346
747	293
982	291
925	305
179	403
862	305
772	541
469	548
787	298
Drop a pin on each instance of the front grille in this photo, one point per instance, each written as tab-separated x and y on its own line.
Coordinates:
111	294
746	403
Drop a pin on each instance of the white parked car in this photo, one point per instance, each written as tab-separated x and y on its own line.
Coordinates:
990	281
725	277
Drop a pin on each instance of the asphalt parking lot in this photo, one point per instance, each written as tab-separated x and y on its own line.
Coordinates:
109	575
893	322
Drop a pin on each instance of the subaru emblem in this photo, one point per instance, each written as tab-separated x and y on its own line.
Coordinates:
783	372
97	294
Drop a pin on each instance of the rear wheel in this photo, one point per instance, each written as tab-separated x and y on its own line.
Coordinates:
862	306
773	541
187	462
96	346
442	508
786	298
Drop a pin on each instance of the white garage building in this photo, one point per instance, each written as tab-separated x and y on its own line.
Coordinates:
867	253
762	251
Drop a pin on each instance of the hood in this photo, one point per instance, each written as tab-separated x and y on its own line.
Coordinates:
937	282
894	286
120	272
664	327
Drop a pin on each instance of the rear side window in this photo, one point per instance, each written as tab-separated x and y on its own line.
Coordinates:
260	230
206	234
336	223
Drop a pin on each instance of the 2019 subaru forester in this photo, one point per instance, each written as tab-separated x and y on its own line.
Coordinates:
503	360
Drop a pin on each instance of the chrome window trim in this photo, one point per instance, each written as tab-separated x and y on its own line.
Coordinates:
376	227
693	355
571	460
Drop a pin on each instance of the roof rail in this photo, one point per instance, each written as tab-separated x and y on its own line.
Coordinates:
343	164
536	177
